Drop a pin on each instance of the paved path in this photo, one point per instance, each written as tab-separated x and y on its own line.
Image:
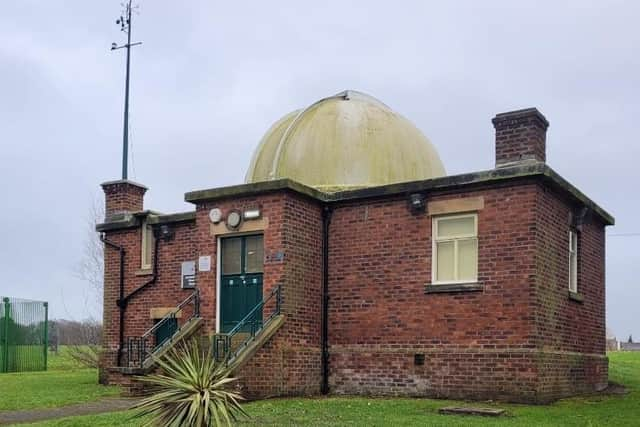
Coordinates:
88	408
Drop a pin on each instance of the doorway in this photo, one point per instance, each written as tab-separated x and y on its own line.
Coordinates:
241	273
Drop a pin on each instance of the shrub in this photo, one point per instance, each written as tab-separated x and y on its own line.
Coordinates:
192	390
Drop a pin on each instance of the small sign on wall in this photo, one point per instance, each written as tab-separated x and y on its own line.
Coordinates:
189	274
204	263
274	257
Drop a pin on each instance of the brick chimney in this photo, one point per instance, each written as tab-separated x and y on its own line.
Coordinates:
123	196
520	135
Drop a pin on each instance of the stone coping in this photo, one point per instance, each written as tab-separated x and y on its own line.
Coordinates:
525	169
131	220
519	171
123	181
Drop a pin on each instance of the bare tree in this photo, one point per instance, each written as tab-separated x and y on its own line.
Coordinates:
91	266
84	337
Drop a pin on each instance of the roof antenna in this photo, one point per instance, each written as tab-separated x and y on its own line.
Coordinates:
124	21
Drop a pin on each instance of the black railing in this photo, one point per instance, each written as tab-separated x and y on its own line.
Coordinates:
226	348
139	349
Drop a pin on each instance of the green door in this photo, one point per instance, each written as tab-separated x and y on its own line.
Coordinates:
240	279
166	330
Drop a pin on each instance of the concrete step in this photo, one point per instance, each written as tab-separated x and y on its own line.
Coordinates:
256	344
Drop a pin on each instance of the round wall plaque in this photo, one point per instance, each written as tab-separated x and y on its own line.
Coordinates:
215	215
233	219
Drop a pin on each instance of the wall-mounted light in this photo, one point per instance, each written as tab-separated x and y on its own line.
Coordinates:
417	203
164	232
251	214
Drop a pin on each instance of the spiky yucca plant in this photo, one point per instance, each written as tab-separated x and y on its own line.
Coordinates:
192	390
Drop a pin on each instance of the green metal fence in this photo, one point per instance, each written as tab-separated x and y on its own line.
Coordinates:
23	335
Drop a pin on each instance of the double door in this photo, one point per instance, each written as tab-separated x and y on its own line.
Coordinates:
241	261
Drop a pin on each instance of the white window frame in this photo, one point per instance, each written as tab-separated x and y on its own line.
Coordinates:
573	261
434	247
146	246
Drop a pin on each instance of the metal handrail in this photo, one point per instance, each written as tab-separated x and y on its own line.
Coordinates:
172	314
258	306
224	339
138	348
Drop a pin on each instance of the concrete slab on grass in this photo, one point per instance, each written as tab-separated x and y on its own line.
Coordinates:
468	410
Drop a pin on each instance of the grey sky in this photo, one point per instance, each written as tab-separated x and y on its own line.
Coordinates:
212	76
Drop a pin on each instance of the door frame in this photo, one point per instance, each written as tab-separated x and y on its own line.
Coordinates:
219	239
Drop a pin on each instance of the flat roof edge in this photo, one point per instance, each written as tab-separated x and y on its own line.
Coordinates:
516	171
130	220
251	189
557	179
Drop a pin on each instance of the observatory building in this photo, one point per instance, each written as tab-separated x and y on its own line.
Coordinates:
350	263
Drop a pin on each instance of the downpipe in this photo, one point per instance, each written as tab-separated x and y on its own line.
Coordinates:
123	300
326	222
121	250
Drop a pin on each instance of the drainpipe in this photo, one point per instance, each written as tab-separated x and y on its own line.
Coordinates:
120	249
154	276
124	300
326	221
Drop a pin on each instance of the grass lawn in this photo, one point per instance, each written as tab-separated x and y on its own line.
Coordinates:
62	384
586	411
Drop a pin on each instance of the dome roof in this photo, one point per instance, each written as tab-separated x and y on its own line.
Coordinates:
349	140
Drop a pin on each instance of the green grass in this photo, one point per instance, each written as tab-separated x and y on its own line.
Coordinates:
62	384
585	411
62	361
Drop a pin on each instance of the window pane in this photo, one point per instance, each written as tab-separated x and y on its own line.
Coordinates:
231	255
445	261
147	246
451	227
467	259
254	254
573	272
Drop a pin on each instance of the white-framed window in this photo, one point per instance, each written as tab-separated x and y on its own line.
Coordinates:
147	247
455	249
573	261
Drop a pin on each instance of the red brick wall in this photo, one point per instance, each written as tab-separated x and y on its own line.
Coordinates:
519	338
272	208
574	329
474	342
123	196
166	292
290	362
520	135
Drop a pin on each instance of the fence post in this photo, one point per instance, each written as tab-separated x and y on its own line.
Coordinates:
46	333
5	347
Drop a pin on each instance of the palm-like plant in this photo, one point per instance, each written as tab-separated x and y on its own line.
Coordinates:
192	390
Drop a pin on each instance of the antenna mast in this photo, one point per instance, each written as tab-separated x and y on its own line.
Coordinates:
125	26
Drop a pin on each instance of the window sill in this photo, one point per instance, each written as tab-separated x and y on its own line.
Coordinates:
575	296
452	287
144	272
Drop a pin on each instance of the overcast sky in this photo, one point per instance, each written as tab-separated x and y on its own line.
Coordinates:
212	76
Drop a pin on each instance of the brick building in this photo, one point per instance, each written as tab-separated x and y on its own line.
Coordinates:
349	263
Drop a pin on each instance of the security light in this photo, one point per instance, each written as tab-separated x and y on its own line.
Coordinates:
417	203
164	232
251	214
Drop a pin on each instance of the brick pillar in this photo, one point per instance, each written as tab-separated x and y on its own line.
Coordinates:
520	135
123	196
